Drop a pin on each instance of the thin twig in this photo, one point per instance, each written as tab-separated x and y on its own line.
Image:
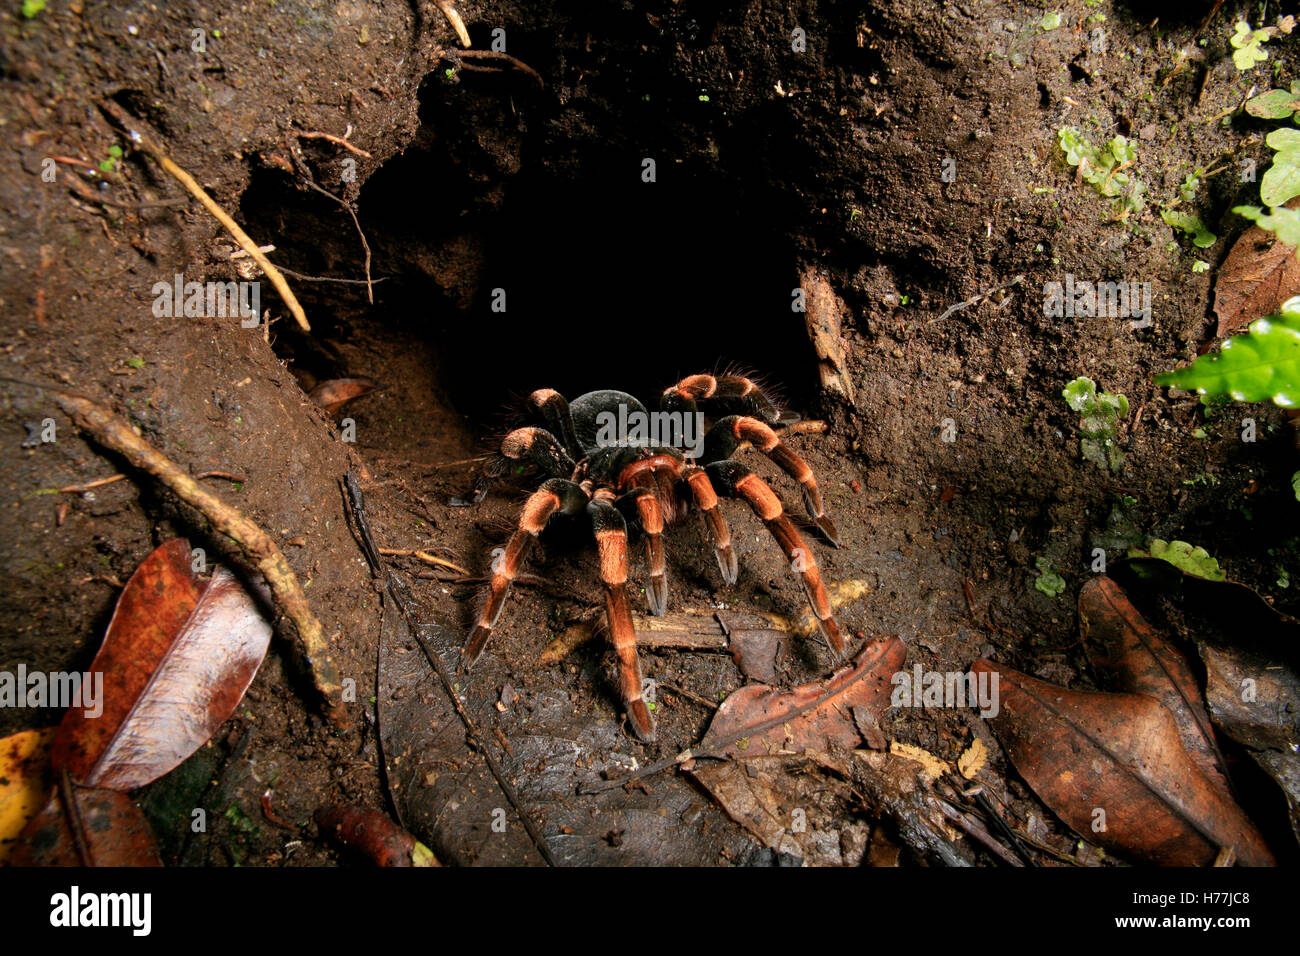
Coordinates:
210	204
370	287
334	139
504	57
97	483
424	556
72	813
976	300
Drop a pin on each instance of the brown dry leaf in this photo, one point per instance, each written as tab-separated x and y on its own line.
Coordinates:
1136	659
825	316
802	815
113	829
179	654
1114	768
373	834
761	719
333	394
1260	273
24	782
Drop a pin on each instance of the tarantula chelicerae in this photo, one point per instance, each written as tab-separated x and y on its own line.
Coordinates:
606	456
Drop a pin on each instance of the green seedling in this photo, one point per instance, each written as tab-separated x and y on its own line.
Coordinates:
1187	558
1261	365
1246	43
1099	416
1295	485
32	7
1048	581
109	166
1104	168
1191	224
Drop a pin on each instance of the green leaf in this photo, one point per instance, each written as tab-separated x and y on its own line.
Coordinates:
1263	364
1281	182
1048	581
1050	21
1080	394
1275	104
1295	485
1192	560
1282	221
1202	238
32	7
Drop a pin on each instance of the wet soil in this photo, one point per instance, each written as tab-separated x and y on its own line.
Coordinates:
484	183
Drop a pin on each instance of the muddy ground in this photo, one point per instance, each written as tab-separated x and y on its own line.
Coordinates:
768	161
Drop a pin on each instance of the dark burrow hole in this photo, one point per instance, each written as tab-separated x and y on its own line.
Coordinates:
608	281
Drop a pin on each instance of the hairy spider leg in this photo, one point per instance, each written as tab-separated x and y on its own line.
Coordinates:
611	543
728	433
555	494
706	499
540	447
644	495
554	409
726	390
735	480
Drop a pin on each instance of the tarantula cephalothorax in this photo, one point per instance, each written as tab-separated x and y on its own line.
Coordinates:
606	456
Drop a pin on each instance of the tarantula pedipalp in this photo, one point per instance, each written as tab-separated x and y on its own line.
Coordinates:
607	457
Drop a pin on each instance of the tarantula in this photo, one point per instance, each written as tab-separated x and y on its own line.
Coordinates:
606	456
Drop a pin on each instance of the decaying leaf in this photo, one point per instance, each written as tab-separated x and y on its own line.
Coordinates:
112	829
371	833
1134	658
1114	768
24	782
333	394
972	760
803	815
179	654
825	315
1260	273
759	719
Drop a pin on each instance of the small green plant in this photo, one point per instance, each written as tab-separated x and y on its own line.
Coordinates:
1191	224
1295	485
1104	168
1192	560
1246	44
1261	365
1050	21
109	166
1048	581
1099	416
32	7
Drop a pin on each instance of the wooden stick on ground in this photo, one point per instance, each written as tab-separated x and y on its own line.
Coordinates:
114	432
185	179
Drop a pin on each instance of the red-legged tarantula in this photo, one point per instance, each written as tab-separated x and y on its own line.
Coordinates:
606	456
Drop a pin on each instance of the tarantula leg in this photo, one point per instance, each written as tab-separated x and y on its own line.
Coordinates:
554	409
651	518
726	436
611	543
707	500
734	479
733	390
556	494
540	447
